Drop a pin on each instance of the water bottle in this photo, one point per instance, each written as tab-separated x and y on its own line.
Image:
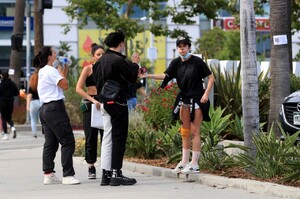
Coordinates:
64	60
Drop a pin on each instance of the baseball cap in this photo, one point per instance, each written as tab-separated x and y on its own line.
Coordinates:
183	40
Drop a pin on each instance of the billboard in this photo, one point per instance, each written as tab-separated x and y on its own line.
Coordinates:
229	23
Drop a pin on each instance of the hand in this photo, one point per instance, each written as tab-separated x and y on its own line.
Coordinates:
97	104
135	58
142	75
60	70
204	98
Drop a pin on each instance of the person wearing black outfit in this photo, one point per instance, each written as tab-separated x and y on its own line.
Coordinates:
114	66
192	103
91	134
8	90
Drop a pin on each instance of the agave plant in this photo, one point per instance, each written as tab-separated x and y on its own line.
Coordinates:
274	157
227	90
218	122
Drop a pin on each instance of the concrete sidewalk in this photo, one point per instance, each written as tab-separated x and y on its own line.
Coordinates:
21	177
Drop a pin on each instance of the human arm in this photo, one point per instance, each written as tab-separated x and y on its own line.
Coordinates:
63	83
80	84
210	84
129	69
142	91
28	100
154	76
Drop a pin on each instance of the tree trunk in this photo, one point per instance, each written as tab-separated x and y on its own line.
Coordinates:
16	56
250	100
38	28
281	58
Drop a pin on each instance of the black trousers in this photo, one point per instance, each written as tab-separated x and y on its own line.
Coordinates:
91	137
6	109
119	122
57	130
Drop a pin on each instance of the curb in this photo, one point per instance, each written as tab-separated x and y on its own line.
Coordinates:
211	180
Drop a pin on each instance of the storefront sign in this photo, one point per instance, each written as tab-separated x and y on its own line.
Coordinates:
7	23
228	23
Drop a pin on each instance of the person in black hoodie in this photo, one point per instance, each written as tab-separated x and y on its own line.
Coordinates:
114	66
8	90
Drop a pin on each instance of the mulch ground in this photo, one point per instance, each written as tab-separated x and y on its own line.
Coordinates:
230	173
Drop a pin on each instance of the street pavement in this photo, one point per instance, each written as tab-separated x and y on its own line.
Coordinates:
21	177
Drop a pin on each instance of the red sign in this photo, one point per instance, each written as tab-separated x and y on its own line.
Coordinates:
228	23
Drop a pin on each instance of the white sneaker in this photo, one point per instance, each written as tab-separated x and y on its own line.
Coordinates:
5	136
14	132
51	179
190	168
180	166
70	180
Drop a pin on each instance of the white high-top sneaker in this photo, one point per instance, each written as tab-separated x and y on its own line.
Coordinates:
5	136
51	179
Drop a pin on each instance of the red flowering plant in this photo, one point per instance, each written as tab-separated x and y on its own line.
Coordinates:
159	105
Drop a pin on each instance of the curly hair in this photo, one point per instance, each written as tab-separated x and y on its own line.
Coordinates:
114	39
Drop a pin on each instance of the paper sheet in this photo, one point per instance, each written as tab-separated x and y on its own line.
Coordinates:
96	118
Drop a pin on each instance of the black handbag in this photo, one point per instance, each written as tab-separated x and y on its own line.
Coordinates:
110	91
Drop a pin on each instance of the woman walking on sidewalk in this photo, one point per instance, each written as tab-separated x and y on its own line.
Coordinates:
33	103
8	90
54	119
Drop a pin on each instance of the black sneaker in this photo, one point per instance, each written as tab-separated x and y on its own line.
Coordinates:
92	172
118	179
106	177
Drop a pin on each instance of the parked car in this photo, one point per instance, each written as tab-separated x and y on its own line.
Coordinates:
289	113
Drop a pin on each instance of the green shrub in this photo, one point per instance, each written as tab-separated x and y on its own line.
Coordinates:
80	147
227	90
142	141
170	141
218	123
235	129
72	107
228	93
158	108
264	83
274	158
295	83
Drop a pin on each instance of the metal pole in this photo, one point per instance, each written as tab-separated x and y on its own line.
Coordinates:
28	60
151	42
28	56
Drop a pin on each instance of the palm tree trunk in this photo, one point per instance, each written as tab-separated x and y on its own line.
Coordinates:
16	56
38	28
250	101
281	58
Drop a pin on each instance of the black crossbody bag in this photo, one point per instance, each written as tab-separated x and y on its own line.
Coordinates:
110	90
